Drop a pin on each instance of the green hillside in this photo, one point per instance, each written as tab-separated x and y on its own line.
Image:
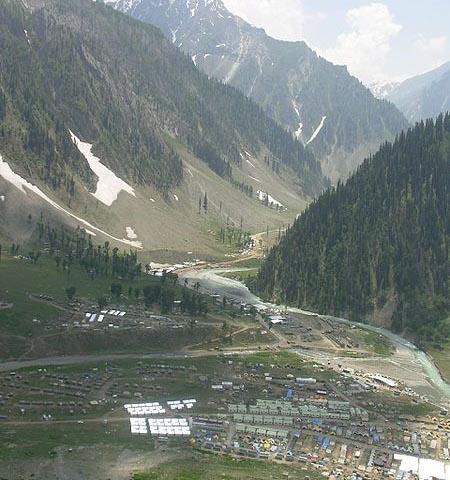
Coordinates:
120	85
378	246
291	82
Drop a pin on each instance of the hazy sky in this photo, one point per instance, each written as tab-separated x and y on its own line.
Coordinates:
378	41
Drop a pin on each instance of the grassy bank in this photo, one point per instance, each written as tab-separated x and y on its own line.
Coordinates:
241	275
40	440
21	278
208	467
442	360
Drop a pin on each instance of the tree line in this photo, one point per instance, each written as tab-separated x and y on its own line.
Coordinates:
378	244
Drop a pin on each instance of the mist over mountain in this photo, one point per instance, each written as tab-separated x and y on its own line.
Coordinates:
423	96
322	104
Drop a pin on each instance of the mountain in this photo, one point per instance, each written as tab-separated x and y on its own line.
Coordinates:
376	247
106	122
383	89
424	96
319	102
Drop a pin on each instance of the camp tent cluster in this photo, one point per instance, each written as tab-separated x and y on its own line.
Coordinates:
116	313
138	426
181	404
160	427
154	408
99	317
92	317
169	426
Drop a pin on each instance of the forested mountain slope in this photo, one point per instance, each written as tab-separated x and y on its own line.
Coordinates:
377	246
424	96
118	84
321	103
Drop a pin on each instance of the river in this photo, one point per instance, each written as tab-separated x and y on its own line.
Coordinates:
408	364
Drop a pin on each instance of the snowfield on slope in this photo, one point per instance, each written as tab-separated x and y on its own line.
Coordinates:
132	235
109	185
263	196
299	131
255	179
23	185
317	131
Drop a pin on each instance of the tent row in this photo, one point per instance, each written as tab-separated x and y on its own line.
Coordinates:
158	430
181	405
168	422
138	426
92	317
116	313
156	408
160	426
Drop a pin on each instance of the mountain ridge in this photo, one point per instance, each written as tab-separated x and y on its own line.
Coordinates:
423	96
141	110
376	247
291	82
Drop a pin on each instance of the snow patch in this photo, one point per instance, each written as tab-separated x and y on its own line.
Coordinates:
176	198
131	234
174	35
123	5
192	10
383	89
266	197
250	163
133	243
317	131
27	37
255	179
299	131
242	51
23	185
109	185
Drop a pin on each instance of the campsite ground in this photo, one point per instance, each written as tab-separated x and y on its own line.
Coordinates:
89	436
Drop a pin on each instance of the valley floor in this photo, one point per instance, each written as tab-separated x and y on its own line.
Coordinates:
49	431
62	405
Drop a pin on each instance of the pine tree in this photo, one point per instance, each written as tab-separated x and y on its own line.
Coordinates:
384	236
